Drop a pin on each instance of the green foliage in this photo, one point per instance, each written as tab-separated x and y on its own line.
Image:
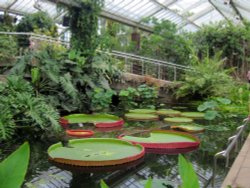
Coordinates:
166	43
147	96
143	96
128	97
103	184
65	78
21	108
8	45
208	78
100	98
211	108
39	23
188	175
84	25
14	167
233	40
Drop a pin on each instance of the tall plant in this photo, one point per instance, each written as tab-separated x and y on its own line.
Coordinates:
84	25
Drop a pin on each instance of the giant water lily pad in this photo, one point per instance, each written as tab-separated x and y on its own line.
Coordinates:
100	120
164	139
193	114
95	152
141	117
178	120
189	128
168	112
143	111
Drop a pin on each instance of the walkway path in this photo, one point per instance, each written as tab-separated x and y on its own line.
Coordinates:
239	174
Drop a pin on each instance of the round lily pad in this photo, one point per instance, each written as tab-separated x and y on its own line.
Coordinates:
143	111
168	112
188	128
164	139
178	120
100	120
193	114
141	117
95	152
80	133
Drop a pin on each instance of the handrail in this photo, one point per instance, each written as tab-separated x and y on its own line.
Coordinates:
233	143
122	54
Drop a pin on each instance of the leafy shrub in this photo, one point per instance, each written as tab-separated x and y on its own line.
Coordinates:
8	48
128	97
208	78
100	99
166	43
22	109
233	40
143	96
39	23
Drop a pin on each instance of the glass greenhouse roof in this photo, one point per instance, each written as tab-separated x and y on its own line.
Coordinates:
189	15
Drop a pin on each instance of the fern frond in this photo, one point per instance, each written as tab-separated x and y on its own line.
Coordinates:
67	85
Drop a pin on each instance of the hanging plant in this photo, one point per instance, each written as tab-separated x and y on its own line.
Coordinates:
83	26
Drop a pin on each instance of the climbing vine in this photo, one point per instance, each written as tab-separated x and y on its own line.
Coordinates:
84	26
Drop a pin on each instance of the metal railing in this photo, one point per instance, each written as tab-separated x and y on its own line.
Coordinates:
234	142
141	65
135	64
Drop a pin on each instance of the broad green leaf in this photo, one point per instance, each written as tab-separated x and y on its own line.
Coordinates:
148	183
211	114
14	167
223	100
201	107
103	184
187	173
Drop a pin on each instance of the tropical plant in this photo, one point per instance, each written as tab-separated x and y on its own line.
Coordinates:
147	96
143	96
166	43
233	40
21	109
100	98
127	98
39	23
83	26
14	167
187	173
207	78
8	48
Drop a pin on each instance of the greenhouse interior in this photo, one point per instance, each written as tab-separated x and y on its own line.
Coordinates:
124	93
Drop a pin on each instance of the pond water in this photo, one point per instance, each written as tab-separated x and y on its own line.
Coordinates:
43	174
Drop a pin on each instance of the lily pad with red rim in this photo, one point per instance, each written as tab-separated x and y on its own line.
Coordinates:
141	117
178	120
188	128
164	139
80	133
193	114
168	112
99	120
143	111
91	152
